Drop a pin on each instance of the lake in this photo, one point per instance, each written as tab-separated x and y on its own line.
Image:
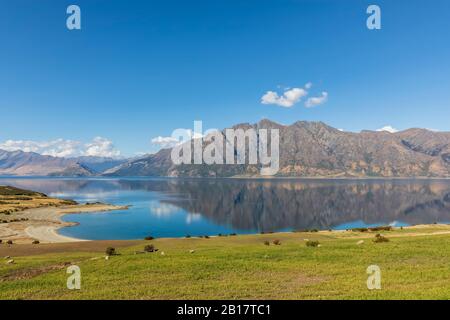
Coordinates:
178	207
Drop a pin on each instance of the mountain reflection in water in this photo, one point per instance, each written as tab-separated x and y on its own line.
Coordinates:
176	207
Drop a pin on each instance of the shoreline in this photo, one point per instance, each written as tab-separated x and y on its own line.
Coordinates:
256	177
42	224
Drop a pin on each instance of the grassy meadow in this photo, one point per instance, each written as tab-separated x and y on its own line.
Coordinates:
415	264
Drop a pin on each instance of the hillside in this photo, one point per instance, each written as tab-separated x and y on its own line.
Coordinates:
414	264
314	149
33	164
20	163
14	199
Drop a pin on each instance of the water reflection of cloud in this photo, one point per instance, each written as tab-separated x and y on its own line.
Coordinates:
192	217
85	196
160	209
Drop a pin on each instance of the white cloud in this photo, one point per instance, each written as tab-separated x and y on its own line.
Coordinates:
315	101
165	142
287	99
56	148
101	147
388	129
168	142
64	148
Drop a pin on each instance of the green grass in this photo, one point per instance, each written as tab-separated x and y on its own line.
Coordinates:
242	267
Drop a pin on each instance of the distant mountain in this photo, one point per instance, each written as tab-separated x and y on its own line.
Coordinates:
74	170
314	149
33	164
98	164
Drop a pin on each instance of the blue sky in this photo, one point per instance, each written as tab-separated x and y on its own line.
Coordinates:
140	69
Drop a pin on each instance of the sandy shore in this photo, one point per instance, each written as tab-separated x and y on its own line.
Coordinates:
42	223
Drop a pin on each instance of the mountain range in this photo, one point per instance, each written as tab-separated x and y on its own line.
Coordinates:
314	149
20	163
307	149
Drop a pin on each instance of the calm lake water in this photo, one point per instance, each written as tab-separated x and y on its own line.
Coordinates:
177	207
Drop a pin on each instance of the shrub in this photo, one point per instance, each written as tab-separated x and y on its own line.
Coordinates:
276	242
188	236
232	234
110	251
35	242
360	229
150	248
381	228
267	243
206	237
312	243
306	230
380	238
149	238
9	242
69	202
1	240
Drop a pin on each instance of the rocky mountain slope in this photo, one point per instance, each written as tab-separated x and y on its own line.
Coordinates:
314	149
21	163
98	164
33	164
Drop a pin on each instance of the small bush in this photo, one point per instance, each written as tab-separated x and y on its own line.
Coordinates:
306	230
232	234
267	243
188	236
9	242
312	243
35	242
276	242
360	229
1	240
110	251
381	228
206	237
379	239
149	238
150	248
